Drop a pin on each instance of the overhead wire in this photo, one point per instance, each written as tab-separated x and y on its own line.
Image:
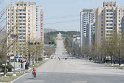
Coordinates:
70	23
61	17
67	21
3	20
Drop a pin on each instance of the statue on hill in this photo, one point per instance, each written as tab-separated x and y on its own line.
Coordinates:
59	36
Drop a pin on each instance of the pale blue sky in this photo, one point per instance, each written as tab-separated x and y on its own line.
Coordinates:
63	14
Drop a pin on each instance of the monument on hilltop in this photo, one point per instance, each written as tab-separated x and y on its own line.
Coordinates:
59	36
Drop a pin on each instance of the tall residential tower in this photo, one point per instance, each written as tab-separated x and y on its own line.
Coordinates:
87	28
24	25
108	22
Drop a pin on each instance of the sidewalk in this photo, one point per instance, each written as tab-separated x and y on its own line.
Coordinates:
19	73
10	78
115	65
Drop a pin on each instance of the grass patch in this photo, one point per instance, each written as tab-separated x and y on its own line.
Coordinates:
9	77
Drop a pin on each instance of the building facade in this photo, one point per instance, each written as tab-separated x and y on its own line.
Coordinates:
87	28
108	22
39	24
24	24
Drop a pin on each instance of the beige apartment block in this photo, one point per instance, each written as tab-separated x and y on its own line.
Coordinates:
24	25
108	21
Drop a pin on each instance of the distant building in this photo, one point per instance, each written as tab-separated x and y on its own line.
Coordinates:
76	40
87	27
24	24
108	21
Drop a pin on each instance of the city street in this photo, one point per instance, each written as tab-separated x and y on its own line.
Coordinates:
59	70
62	41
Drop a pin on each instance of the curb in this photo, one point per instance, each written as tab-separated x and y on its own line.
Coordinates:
15	78
20	76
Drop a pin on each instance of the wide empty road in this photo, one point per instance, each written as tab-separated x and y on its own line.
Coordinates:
72	70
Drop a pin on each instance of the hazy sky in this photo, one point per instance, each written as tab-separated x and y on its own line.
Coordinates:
63	14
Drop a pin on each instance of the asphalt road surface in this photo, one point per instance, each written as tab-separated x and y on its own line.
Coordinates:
59	70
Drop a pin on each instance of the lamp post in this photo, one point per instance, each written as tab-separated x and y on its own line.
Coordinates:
29	52
14	36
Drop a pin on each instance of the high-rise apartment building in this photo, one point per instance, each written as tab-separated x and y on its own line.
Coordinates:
24	24
39	24
108	22
87	27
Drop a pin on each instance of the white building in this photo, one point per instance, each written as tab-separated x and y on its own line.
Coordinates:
87	27
108	21
76	39
24	24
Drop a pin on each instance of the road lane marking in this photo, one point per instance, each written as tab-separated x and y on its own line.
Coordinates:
79	81
34	81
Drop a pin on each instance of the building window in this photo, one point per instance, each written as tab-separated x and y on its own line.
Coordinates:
109	20
24	23
109	10
109	27
24	4
23	30
21	4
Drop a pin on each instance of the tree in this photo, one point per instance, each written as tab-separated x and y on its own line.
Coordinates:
68	45
111	47
39	50
35	50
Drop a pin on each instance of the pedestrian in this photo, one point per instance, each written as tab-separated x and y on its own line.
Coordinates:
34	72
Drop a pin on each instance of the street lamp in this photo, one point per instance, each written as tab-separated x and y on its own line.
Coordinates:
29	52
14	36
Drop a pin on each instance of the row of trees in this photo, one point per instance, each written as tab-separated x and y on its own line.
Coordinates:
111	50
35	50
71	46
3	48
